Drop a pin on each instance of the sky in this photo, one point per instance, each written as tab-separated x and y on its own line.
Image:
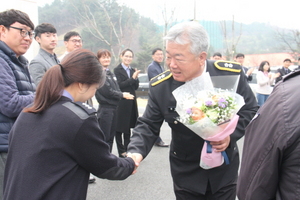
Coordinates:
284	14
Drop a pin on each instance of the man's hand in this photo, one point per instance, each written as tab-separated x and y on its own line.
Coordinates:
137	158
221	145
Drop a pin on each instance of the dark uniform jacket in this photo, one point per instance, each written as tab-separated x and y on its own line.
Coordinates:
52	153
270	162
109	94
127	112
186	146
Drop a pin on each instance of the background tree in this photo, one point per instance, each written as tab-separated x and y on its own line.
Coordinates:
231	38
289	41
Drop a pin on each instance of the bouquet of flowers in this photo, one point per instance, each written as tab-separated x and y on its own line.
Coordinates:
209	112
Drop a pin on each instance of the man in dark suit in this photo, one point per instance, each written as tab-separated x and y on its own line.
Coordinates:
45	35
248	72
153	70
283	70
187	47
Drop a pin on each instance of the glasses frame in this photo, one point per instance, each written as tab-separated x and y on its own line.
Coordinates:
23	32
76	41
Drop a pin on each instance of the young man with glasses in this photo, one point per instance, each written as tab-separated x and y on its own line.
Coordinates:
16	87
72	41
45	35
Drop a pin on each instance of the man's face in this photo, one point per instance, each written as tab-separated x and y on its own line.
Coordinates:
158	56
240	60
12	37
217	58
47	41
73	43
287	64
184	65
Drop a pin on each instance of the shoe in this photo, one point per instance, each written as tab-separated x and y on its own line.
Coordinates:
161	144
92	179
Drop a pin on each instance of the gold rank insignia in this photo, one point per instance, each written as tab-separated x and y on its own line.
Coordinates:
228	66
160	78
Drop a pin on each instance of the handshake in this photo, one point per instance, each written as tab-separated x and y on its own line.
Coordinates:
137	158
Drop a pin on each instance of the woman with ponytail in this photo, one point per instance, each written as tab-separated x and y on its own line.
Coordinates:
56	142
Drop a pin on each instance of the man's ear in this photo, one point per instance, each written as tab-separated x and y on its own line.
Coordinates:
66	43
38	39
2	31
202	57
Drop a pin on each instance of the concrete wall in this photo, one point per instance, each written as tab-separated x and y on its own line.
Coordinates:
31	8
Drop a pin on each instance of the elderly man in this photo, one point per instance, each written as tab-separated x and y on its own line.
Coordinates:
16	87
187	46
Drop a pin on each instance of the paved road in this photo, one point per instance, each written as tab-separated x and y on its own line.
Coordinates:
153	180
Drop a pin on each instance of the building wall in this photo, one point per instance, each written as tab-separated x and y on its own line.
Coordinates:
31	8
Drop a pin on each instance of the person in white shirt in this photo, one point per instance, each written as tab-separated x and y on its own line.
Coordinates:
264	81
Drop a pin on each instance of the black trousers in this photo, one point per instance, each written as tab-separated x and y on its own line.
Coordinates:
107	122
228	192
122	140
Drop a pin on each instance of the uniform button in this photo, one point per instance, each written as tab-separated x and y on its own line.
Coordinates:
174	153
175	122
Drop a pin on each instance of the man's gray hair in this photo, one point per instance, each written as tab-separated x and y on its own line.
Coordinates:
192	33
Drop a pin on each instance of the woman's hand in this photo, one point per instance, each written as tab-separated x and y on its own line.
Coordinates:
127	95
136	73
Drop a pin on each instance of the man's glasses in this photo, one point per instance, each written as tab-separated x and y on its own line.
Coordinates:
24	33
76	41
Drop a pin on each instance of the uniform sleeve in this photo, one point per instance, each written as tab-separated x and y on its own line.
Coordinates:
93	154
11	102
247	112
37	71
147	129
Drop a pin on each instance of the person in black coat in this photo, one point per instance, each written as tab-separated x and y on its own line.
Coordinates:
108	97
56	142
283	70
127	112
187	46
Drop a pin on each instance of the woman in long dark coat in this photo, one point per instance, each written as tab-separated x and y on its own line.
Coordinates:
127	112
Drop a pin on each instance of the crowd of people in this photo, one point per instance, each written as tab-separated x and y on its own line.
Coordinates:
52	139
265	79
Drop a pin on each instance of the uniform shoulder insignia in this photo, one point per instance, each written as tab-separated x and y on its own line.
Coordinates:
228	66
160	78
82	110
290	75
89	109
